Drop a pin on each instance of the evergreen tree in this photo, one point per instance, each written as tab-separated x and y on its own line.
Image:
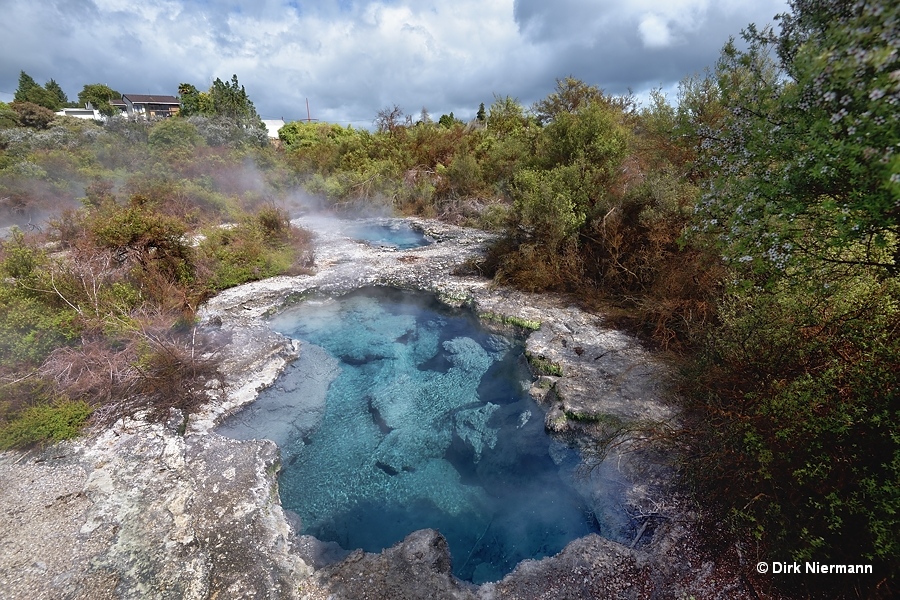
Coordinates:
231	100
225	113
54	88
30	91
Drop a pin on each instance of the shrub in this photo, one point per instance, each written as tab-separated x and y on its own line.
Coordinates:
795	411
134	130
230	132
174	134
32	115
177	368
261	245
33	318
55	421
463	175
31	328
142	236
8	117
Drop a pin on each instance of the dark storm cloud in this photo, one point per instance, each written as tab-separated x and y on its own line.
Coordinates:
635	45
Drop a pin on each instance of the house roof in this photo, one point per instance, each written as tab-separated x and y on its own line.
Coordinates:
117	102
147	99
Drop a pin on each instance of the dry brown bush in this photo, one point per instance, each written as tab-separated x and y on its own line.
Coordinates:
178	368
95	371
531	268
155	368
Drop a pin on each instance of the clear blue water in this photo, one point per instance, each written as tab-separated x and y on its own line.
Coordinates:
404	414
398	235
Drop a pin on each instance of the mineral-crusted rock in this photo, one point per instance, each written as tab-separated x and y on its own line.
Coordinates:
416	568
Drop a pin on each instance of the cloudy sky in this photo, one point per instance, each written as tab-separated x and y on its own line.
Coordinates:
351	58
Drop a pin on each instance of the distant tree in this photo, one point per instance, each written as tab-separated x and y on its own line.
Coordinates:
480	115
26	85
222	100
231	100
54	88
448	121
99	95
572	95
389	119
224	116
506	116
30	91
190	100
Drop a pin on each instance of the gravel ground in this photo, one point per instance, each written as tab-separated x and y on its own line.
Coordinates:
46	550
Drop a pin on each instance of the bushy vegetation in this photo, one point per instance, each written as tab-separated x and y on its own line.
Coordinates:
146	220
795	397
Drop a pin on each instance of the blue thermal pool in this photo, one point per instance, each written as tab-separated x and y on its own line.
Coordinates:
404	414
395	235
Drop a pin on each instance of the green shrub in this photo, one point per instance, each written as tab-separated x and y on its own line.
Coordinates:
550	205
261	245
795	411
463	175
33	318
30	328
55	421
174	134
147	238
8	117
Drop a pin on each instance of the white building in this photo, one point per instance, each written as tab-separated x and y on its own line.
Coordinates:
272	127
81	113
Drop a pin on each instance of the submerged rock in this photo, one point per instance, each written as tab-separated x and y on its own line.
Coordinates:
472	427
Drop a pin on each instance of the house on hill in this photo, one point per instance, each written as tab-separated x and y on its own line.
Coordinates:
149	106
140	105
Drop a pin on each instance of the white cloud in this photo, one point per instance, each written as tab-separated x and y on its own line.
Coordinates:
353	57
655	32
